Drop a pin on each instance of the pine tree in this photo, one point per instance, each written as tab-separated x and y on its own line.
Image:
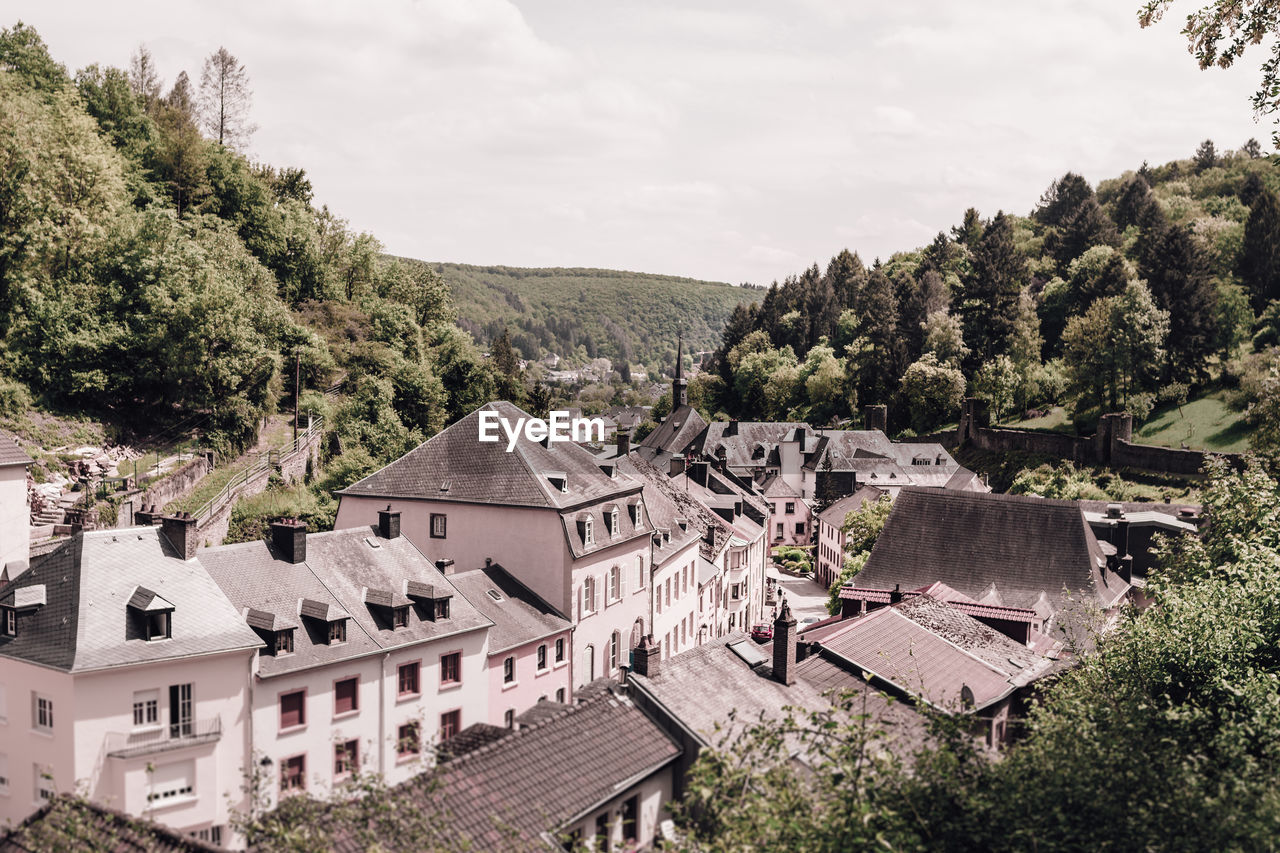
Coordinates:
969	232
991	291
1260	254
1206	156
1063	198
877	312
1135	203
1180	284
1252	149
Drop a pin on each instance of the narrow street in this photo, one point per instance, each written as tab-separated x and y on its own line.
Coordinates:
807	599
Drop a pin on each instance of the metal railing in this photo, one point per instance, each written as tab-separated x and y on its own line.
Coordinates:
266	460
163	737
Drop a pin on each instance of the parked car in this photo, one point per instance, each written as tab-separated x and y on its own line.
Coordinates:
762	632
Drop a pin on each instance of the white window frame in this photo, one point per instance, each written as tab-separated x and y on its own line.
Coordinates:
146	703
177	784
588	533
615	526
43	789
41	713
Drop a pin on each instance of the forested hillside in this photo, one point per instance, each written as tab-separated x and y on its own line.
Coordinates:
586	313
1152	288
155	279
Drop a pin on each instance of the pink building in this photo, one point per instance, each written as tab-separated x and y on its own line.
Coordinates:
791	523
530	646
831	536
371	656
123	674
570	528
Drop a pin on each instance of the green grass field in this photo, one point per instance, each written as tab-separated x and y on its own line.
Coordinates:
1055	421
1203	424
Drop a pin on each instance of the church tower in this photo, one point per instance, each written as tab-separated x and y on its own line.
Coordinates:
679	386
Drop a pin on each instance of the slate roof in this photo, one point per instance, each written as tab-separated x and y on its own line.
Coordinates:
520	617
676	432
11	453
928	649
751	442
72	823
1009	550
89	581
776	487
835	514
455	466
671	503
715	694
508	794
339	565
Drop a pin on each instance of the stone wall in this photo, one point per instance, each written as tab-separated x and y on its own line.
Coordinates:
1112	445
176	486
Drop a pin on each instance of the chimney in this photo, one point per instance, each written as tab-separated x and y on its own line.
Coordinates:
388	523
677	466
180	531
800	437
784	647
731	428
646	658
698	472
876	417
289	539
146	516
624	443
895	595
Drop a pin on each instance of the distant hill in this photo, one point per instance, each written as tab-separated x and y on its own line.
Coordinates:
608	313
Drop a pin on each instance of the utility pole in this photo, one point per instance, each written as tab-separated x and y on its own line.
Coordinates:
297	386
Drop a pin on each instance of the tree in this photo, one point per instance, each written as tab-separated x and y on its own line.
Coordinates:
1178	276
225	100
968	232
144	80
1252	149
992	289
1260	255
877	313
1235	319
1062	199
1112	350
1206	156
933	392
1219	33
997	383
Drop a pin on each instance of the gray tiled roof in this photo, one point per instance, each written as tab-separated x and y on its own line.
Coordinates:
835	514
90	581
1024	546
676	503
508	794
11	453
484	472
676	432
339	565
73	823
520	617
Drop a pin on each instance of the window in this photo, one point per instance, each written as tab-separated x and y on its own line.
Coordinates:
588	596
211	834
560	695
668	594
181	710
450	723
409	739
346	696
451	668
10	622
44	790
41	713
293	773
615	642
590	654
685	585
509	718
172	782
338	631
346	758
603	838
284	642
146	708
630	820
615	583
637	517
779	534
400	617
158	625
438	522
799	528
542	656
441	608
293	709
639	572
588	534
407	681
614	527
560	650
509	670
735	594
791	508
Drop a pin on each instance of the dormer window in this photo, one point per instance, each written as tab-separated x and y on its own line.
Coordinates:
159	626
151	617
558	480
637	516
10	623
284	642
338	631
442	608
588	533
400	617
614	527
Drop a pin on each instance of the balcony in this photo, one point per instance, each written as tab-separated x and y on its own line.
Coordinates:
163	738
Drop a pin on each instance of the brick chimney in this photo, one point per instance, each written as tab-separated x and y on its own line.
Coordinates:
731	428
180	532
876	417
289	539
624	443
146	516
388	523
784	647
646	658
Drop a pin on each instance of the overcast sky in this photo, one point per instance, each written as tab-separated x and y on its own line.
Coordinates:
736	141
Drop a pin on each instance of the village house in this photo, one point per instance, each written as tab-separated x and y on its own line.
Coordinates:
792	517
832	539
596	775
123	675
530	645
370	655
571	528
15	537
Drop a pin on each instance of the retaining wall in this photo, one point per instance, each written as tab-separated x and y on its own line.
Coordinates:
176	486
